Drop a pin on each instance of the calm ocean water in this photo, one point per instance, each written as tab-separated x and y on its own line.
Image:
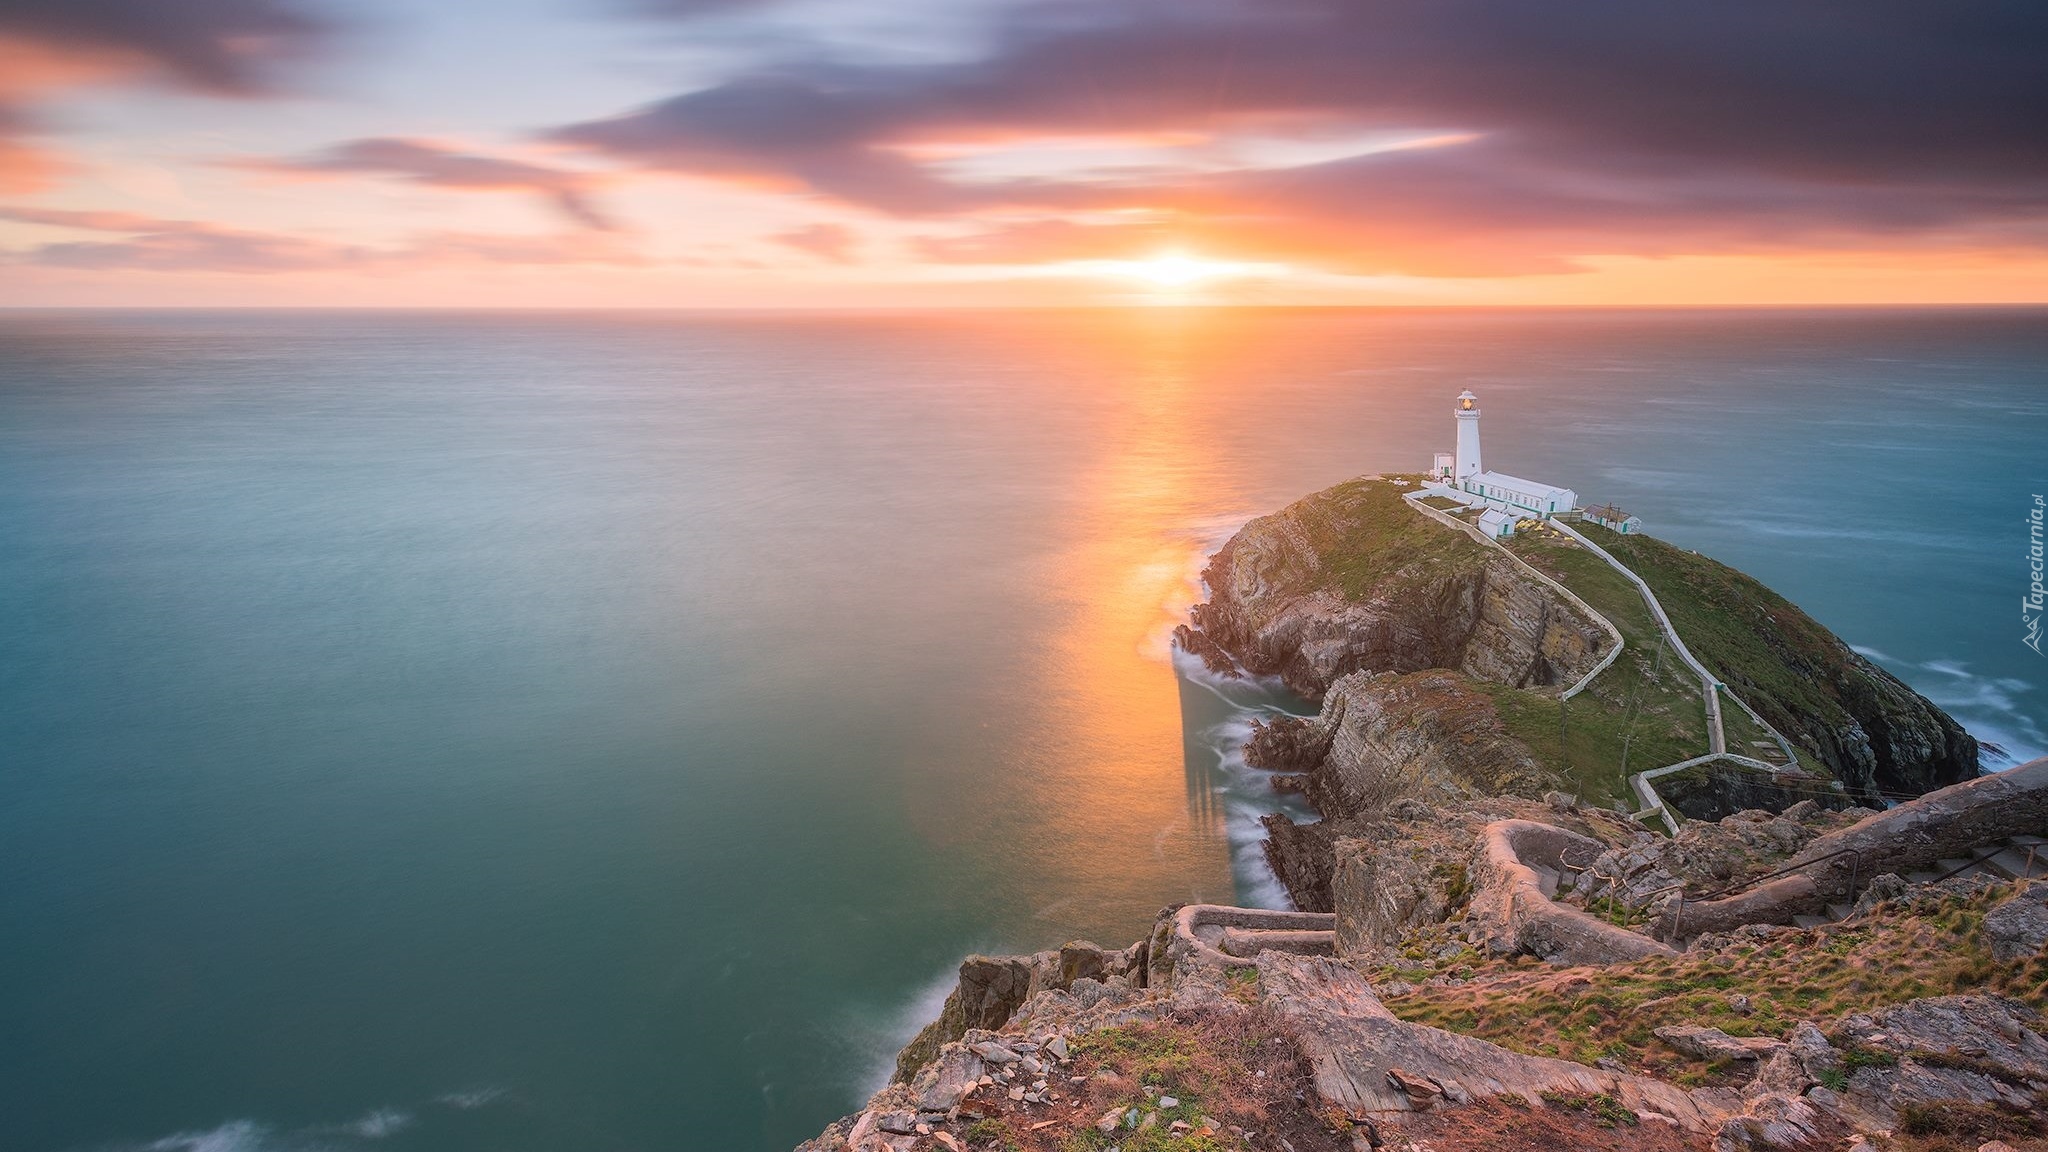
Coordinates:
546	733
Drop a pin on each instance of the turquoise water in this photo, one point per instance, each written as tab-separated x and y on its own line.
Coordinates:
562	732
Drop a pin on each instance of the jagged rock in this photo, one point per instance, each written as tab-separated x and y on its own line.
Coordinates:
1353	1043
995	1052
1302	857
1958	1049
943	1083
1381	891
1889	886
1423	1094
2018	928
1422	736
993	989
1773	1122
1811	1048
1778	1073
1714	1044
1288	744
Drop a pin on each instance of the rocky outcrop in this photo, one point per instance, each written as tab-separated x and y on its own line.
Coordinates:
993	988
1370	1064
1427	736
1970	1050
1916	834
2018	928
1353	578
1303	858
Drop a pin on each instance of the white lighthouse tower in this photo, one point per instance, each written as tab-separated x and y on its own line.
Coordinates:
1468	439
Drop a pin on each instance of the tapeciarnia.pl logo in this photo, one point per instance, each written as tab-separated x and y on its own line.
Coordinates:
2031	607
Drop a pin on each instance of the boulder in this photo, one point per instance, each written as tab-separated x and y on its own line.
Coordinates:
2018	928
1714	1044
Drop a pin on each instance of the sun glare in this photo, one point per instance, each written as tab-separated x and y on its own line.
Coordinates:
1174	270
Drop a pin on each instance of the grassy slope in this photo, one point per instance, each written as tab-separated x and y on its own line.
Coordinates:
1931	948
1369	542
1644	711
1760	643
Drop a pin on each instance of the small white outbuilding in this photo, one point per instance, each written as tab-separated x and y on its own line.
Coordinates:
1497	524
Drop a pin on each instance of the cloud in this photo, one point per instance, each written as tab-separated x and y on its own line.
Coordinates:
831	242
228	47
425	162
154	244
1604	127
236	48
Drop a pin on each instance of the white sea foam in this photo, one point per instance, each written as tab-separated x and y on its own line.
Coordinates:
1991	708
471	1099
878	1040
233	1136
381	1123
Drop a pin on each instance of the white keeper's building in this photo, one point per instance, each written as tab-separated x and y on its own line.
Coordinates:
1507	498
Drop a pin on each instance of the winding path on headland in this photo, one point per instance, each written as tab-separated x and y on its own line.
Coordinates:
1711	687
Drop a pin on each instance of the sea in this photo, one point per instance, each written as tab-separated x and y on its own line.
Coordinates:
607	731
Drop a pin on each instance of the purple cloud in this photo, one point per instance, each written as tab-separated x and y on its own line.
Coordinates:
1605	126
424	162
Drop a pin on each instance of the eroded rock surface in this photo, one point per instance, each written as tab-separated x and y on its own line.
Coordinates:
1352	578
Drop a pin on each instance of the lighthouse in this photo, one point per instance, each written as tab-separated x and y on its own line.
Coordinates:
1506	499
1468	438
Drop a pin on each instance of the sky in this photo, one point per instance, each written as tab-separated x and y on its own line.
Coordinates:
856	153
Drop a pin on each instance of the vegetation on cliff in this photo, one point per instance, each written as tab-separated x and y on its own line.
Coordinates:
1870	729
1930	944
1355	580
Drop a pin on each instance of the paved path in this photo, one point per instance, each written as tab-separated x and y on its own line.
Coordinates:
1711	687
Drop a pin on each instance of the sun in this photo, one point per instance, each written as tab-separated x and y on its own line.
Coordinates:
1177	270
1175	273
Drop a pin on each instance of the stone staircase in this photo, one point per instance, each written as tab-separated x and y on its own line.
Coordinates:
2015	858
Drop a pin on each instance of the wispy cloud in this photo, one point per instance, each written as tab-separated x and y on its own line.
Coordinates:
153	244
438	165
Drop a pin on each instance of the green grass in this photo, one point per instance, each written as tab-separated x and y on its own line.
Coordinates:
1370	543
1769	652
1931	947
1644	711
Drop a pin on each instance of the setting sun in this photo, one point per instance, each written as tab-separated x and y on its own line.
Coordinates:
1175	270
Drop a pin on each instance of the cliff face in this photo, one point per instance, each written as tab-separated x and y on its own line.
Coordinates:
1380	738
1871	729
1352	578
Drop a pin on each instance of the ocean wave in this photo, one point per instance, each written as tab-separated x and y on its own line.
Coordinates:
878	1041
255	1136
1988	707
472	1099
380	1123
233	1136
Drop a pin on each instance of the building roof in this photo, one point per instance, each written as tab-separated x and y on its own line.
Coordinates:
1533	488
1494	516
1607	512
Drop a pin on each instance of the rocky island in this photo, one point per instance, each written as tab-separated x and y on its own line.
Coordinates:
1618	850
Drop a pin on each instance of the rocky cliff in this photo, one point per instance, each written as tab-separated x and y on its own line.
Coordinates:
1488	981
1353	578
